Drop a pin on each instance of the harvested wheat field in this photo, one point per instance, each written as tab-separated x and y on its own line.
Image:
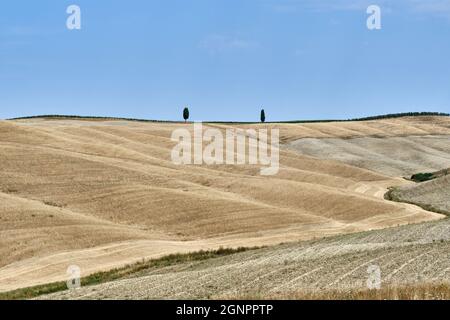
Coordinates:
433	195
393	156
101	193
413	255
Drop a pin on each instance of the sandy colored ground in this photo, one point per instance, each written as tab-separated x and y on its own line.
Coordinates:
393	156
104	193
407	256
434	193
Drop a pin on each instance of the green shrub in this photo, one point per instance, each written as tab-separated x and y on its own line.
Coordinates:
421	177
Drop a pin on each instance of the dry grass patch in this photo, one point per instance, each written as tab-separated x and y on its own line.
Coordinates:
121	273
426	291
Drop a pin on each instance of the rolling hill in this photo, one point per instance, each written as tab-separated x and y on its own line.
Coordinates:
414	255
433	195
104	193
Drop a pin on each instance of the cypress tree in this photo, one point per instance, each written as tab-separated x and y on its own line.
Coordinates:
263	116
186	114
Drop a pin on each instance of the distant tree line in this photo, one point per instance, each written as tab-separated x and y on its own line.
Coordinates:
62	116
400	115
262	117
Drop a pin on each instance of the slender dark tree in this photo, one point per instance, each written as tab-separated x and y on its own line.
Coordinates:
186	114
263	116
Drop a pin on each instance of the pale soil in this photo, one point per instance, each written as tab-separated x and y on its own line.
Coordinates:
407	256
101	194
393	156
435	193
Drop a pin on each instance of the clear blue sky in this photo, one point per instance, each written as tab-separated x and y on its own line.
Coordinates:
225	59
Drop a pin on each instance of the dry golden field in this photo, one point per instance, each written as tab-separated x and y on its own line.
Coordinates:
414	261
433	195
101	194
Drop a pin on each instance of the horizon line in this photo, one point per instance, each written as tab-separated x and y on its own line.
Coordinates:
368	118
